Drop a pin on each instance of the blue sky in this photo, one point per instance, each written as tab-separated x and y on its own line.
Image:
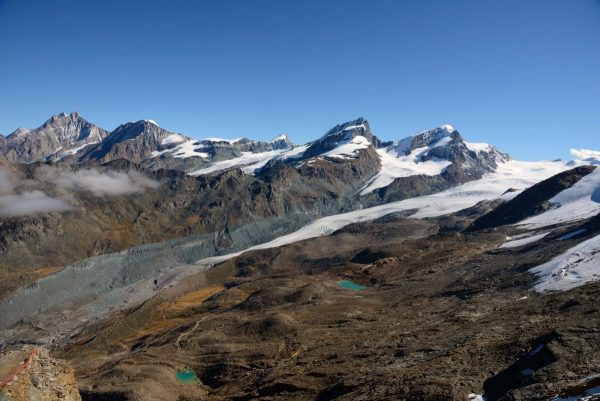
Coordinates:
523	75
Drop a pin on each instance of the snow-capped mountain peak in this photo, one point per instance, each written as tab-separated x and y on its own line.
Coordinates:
340	135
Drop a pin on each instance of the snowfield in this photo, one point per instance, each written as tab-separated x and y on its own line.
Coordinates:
581	201
513	242
250	162
394	165
577	266
346	150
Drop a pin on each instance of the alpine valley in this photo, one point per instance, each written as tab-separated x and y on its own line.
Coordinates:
142	264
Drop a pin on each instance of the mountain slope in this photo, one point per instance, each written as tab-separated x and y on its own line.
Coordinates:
134	141
429	162
62	134
533	200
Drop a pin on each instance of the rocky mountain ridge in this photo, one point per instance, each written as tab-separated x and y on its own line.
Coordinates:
69	139
62	134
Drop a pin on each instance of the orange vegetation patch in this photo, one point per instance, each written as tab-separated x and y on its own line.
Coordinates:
166	316
43	272
191	299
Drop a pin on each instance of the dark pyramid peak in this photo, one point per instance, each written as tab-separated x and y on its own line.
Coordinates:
134	129
134	141
340	134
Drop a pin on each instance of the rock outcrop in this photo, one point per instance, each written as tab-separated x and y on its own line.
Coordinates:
32	374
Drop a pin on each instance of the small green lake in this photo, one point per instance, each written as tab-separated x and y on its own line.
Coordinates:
186	376
350	285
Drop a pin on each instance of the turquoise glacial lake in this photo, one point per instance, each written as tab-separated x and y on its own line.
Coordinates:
186	376
350	285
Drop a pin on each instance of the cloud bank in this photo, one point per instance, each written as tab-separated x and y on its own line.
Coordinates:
586	155
104	183
30	199
25	203
30	202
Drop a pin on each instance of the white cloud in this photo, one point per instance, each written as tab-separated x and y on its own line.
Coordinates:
31	202
27	198
587	155
104	183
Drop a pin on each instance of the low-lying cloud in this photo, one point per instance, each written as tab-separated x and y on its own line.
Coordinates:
586	155
20	197
14	203
104	183
31	202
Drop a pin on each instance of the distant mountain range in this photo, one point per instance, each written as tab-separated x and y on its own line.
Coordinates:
70	139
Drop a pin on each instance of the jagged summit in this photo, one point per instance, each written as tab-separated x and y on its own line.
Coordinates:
135	141
60	133
439	152
342	134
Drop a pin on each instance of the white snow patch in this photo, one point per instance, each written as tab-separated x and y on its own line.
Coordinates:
73	151
578	202
189	148
294	152
351	127
394	166
172	138
577	266
513	243
447	127
478	147
248	162
475	397
152	122
348	149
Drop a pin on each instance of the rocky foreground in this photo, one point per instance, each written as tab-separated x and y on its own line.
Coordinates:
393	309
30	373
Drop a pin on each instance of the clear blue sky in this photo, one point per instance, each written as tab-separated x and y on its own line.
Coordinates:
523	75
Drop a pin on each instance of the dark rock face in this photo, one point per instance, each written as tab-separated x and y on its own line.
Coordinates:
339	135
57	135
132	141
532	201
